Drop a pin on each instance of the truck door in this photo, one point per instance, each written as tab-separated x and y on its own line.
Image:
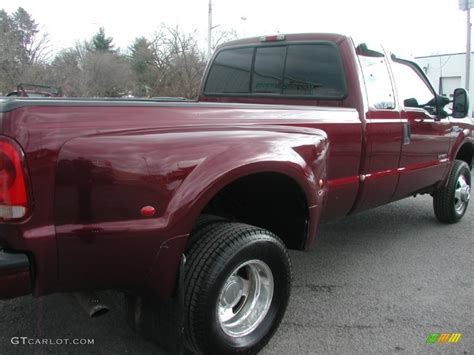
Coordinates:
424	157
383	131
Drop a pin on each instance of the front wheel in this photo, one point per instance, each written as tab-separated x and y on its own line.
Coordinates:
450	202
237	287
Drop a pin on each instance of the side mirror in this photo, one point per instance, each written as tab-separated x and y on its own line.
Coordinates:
411	102
460	103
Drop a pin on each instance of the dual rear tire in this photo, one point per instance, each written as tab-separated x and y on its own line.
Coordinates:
237	286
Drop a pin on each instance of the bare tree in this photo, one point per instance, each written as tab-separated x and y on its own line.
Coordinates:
169	64
68	73
106	74
86	70
179	62
221	36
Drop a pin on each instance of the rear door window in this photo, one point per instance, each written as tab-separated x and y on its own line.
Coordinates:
296	70
377	82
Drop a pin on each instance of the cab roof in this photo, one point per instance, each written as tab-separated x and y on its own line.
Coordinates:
331	37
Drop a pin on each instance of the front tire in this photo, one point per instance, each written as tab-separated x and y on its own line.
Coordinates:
237	287
450	202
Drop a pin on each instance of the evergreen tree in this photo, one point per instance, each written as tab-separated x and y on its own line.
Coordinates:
23	51
141	55
101	42
141	60
25	29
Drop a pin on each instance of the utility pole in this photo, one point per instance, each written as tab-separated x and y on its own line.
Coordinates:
209	30
465	5
468	49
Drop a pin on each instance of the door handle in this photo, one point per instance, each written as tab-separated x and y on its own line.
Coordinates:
406	133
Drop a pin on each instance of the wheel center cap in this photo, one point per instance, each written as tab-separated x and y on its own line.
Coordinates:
465	193
232	292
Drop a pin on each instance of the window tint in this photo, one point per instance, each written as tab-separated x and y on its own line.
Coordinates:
299	70
412	90
313	70
377	82
268	71
230	72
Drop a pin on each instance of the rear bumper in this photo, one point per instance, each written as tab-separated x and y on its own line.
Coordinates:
15	276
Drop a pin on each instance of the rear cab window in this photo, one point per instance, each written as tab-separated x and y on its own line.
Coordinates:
378	84
310	70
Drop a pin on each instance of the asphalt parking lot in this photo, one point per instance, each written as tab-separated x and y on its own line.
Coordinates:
377	282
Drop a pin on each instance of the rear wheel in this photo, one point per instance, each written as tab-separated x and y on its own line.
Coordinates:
202	226
450	202
237	287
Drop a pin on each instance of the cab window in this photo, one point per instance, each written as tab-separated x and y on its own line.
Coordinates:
300	70
268	70
412	89
377	80
230	73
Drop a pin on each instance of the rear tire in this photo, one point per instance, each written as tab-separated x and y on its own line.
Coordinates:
450	202
201	227
204	220
237	286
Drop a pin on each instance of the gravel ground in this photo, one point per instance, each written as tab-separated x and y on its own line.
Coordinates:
378	282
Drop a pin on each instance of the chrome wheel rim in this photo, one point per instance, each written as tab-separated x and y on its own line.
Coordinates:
462	194
245	298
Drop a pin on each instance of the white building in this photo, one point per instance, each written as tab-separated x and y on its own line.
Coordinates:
447	72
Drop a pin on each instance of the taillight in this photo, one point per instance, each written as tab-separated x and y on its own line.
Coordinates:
13	192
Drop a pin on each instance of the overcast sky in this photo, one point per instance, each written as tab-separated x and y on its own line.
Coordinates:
408	27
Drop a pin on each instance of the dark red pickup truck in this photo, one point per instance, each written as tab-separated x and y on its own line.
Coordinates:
196	202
